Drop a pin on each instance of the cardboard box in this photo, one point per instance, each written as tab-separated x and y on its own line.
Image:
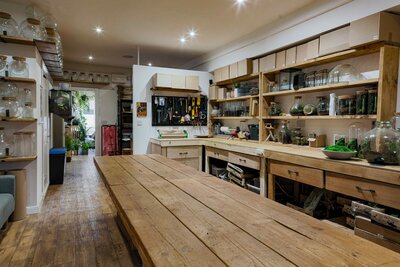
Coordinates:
233	70
256	68
291	56
213	92
178	81
281	59
162	80
335	41
312	49
217	75
221	93
192	82
301	53
381	26
225	73
268	63
245	67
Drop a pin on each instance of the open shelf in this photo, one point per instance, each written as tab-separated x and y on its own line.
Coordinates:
239	79
18	119
182	90
18	80
321	88
331	58
234	98
16	40
17	159
234	118
338	117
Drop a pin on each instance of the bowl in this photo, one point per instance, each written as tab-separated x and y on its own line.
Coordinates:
338	154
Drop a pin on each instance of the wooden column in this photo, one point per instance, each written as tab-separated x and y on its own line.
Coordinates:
388	78
271	186
263	177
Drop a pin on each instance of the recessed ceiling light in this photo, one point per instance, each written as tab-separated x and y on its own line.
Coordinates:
182	40
99	29
192	33
240	3
90	58
150	64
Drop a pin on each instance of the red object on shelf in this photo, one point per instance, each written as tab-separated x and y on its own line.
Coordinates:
109	140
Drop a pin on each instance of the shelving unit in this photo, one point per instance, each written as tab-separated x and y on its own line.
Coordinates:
18	159
338	117
234	98
18	119
125	119
234	118
183	90
18	80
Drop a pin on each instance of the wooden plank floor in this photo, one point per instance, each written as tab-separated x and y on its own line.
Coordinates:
240	227
76	226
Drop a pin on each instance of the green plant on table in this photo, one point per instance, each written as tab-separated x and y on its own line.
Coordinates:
85	146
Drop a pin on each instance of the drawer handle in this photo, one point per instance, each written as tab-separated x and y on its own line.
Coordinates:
183	153
242	160
359	188
216	153
295	172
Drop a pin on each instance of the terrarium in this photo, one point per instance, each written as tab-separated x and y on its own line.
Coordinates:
8	26
284	135
323	105
297	107
275	109
30	28
344	73
3	65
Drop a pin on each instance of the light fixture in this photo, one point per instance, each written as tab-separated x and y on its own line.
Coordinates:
98	29
90	57
192	33
240	3
149	64
183	40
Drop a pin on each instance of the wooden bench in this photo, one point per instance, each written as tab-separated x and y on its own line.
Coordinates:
178	216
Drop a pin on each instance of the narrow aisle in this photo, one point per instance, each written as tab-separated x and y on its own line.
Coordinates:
76	226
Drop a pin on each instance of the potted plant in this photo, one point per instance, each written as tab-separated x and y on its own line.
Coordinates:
84	149
75	144
68	146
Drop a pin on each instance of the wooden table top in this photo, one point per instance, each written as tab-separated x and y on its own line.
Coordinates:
179	216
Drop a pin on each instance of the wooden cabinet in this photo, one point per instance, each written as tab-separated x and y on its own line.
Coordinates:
301	53
217	75
376	192
244	67
192	162
192	82
256	68
281	59
225	73
182	152
233	70
335	41
178	81
312	49
162	80
297	173
249	161
290	56
268	63
217	153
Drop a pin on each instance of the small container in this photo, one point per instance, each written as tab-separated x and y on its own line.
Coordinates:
275	109
83	77
30	28
297	107
296	136
26	96
309	110
90	77
28	111
322	106
66	75
98	78
346	105
106	78
8	89
284	135
339	139
3	144
9	107
8	26
29	144
74	76
310	79
372	101
362	102
19	149
19	68
3	65
321	77
53	36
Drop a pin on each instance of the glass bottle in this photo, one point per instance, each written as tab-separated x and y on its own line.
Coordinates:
380	144
30	28
346	105
297	107
3	65
9	107
19	68
3	144
275	109
322	106
8	26
8	89
28	111
26	96
362	102
372	101
284	135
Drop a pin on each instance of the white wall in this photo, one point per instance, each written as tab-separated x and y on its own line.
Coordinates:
142	82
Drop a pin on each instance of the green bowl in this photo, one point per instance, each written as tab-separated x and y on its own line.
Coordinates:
338	154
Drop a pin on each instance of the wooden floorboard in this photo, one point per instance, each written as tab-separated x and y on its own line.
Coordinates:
76	226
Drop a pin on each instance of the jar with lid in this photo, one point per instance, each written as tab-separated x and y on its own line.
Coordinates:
3	65
106	78
30	28
372	101
82	77
321	77
362	102
284	135
296	136
275	109
25	96
19	144
8	89
9	107
28	111
3	144
19	68
98	78
297	107
8	26
380	145
90	77
53	36
74	76
346	105
66	75
322	106
355	135
310	79
29	144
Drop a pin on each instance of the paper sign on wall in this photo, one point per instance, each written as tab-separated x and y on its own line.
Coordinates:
141	109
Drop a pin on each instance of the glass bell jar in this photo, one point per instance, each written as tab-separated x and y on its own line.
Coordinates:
344	73
8	26
8	89
30	28
3	65
19	68
379	145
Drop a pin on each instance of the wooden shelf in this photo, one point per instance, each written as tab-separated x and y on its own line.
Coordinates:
239	79
77	83
327	87
182	90
338	117
18	119
17	159
18	80
234	98
16	40
370	49
234	118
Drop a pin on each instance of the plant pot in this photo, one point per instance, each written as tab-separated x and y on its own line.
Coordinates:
83	152
69	155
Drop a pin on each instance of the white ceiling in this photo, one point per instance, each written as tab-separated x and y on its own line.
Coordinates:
156	25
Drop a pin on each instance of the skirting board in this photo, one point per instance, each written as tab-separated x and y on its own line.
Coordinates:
36	209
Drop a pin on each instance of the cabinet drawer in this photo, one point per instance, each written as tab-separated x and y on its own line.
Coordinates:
297	173
182	152
217	153
194	162
244	160
384	194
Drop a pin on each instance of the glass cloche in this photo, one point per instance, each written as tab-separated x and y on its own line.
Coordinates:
8	89
344	73
30	28
8	26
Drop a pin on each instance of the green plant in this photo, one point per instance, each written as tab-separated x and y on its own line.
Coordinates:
338	148
75	144
68	143
85	146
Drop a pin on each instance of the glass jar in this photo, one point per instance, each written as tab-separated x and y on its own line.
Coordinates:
25	96
346	105
354	132
372	101
3	144
8	26
310	79
275	109
297	107
53	36
322	106
29	144
284	135
380	144
30	28
396	121
362	102
8	89
19	144
66	75
74	76
3	65
98	78
321	77
106	78
19	68
28	111
83	77
343	73
296	136
309	110
9	107
90	77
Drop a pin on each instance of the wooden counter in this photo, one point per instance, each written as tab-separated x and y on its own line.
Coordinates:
178	216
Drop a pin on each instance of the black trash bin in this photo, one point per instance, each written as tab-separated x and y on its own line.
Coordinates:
57	165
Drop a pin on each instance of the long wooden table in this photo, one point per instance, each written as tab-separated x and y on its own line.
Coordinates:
177	216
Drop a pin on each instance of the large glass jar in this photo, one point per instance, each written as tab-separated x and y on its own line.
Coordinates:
98	78
346	105
321	77
3	65
297	107
322	106
83	77
8	89
343	73
3	144
275	109
284	135
372	101
19	150
380	145
19	68
74	76
106	78
53	36
29	144
362	102
30	28
8	26
310	79
28	111
9	107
